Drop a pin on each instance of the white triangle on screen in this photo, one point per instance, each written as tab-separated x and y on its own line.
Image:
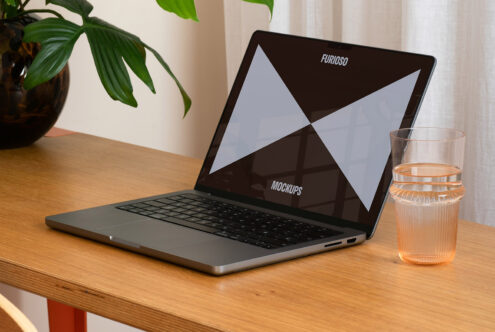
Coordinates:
265	112
357	136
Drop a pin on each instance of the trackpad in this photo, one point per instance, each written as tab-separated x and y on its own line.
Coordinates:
147	232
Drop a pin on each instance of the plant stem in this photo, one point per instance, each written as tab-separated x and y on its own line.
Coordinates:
2	4
24	5
42	11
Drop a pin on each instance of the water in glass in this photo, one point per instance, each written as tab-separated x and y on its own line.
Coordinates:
427	197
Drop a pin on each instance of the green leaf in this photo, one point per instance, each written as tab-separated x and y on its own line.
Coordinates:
183	8
185	97
12	3
268	3
11	11
110	46
81	7
57	37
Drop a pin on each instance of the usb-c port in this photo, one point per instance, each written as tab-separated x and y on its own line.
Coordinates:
351	240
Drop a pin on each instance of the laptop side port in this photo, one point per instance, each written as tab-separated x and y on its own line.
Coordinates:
351	240
333	244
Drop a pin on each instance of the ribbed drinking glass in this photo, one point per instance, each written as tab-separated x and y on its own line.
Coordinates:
427	189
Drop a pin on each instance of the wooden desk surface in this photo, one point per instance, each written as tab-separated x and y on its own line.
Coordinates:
363	287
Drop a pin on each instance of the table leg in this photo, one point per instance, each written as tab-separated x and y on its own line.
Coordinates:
64	318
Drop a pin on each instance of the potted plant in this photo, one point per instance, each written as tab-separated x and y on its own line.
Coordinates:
34	76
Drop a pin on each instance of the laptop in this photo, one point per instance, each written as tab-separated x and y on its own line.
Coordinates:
299	163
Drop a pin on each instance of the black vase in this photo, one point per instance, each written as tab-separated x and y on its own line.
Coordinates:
25	115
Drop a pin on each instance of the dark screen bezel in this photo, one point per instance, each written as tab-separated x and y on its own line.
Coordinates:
381	194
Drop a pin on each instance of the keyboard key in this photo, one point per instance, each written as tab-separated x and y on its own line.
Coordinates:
155	203
163	200
139	205
173	198
188	196
201	199
187	200
203	222
145	213
157	215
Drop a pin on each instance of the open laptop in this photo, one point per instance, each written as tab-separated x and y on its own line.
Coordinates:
299	163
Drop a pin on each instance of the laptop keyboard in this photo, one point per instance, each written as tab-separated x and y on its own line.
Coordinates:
231	221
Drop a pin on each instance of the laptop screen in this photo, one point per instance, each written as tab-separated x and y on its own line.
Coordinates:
307	124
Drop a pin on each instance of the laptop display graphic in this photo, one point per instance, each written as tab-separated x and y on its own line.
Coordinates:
299	163
310	134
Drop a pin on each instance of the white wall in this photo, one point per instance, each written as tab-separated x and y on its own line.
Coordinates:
196	54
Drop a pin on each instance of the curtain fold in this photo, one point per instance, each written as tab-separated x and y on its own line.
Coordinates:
459	33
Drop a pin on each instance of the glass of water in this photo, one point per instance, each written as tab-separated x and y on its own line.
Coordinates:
427	189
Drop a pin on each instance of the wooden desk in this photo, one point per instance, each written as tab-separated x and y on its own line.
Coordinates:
364	287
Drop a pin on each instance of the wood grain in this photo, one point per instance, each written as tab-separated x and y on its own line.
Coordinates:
365	287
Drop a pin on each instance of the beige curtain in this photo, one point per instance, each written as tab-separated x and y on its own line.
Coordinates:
459	33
